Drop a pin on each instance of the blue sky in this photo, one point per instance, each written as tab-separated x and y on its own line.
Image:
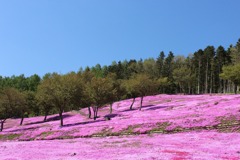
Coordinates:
40	36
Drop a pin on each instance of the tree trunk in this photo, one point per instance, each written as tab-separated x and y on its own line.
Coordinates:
189	89
22	120
95	112
2	122
224	86
198	78
61	118
95	117
132	103
111	108
89	112
1	126
180	88
228	86
220	86
220	81
235	88
45	118
141	104
206	80
211	83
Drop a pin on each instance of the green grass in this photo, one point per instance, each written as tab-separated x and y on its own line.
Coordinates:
45	134
9	136
130	129
160	127
104	132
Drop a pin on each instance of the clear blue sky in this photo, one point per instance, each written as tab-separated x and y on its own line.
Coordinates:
40	36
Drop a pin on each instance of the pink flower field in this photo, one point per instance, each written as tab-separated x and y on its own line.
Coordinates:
168	127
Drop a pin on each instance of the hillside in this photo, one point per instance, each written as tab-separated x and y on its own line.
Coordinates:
169	126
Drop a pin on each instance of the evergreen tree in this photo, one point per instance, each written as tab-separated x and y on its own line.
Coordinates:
159	63
209	53
168	72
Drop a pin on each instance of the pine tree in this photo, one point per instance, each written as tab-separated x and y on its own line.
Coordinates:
159	63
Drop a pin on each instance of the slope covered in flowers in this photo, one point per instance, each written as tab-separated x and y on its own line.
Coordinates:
190	126
179	146
161	113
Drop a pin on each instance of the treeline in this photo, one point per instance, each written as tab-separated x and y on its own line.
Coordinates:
198	73
207	70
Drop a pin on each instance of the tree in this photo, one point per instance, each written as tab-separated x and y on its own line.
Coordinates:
168	65
97	70
198	65
18	101
6	108
86	101
150	67
222	58
63	90
182	76
33	82
131	92
44	100
22	107
232	73
99	90
142	85
209	53
167	72
159	63
116	91
235	53
11	101
132	68
162	84
32	103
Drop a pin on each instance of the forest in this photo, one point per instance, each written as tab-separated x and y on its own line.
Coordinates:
206	71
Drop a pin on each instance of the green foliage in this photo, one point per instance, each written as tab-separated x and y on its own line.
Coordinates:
159	64
100	90
12	103
61	91
140	85
32	103
33	82
183	77
150	67
97	71
235	53
116	91
232	73
45	101
168	66
20	82
6	109
208	70
144	85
